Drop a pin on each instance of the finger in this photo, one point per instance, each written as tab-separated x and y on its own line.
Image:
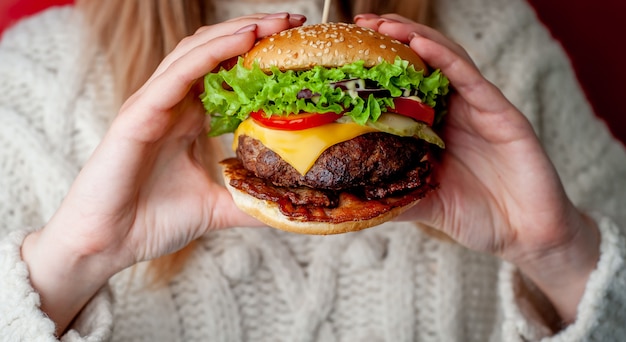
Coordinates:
196	63
249	16
266	25
466	79
228	214
147	115
254	16
394	17
368	20
294	18
401	29
365	16
442	53
373	18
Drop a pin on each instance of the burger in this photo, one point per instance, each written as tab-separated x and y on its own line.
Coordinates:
332	127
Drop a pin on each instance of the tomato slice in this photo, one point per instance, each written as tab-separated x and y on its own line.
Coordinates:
414	109
294	122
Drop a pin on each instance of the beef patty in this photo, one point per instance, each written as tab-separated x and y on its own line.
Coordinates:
368	160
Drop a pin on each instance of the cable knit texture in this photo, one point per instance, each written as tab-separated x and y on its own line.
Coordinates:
390	283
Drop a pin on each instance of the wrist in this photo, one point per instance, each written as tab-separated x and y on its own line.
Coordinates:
561	272
64	279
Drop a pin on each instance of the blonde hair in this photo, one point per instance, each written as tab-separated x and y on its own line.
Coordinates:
135	35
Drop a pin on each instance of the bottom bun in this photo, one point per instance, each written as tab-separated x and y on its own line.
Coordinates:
352	214
270	214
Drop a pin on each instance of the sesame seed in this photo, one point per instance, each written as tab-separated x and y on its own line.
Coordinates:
383	46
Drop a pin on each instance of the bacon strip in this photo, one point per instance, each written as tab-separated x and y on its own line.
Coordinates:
306	204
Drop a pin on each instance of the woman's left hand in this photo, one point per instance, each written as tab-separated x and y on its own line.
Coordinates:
499	192
146	191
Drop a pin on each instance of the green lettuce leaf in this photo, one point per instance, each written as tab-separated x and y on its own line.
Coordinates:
231	95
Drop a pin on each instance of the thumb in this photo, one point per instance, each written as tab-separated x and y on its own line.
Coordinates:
226	214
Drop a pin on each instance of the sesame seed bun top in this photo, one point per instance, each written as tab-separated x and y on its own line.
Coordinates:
329	45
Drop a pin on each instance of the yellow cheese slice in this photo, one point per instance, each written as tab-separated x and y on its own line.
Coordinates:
301	148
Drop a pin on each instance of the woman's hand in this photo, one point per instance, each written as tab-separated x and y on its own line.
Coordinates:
499	192
145	191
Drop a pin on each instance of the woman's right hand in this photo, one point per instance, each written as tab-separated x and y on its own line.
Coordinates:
499	192
145	191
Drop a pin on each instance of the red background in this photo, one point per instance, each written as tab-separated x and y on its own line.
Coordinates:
591	33
594	35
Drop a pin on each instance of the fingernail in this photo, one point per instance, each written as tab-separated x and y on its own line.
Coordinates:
365	16
280	15
358	17
297	17
385	20
247	28
413	35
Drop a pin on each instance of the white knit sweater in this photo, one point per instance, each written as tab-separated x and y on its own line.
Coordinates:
390	283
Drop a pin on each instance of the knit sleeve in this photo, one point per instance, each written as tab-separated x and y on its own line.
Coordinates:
592	167
602	309
590	161
20	316
35	171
